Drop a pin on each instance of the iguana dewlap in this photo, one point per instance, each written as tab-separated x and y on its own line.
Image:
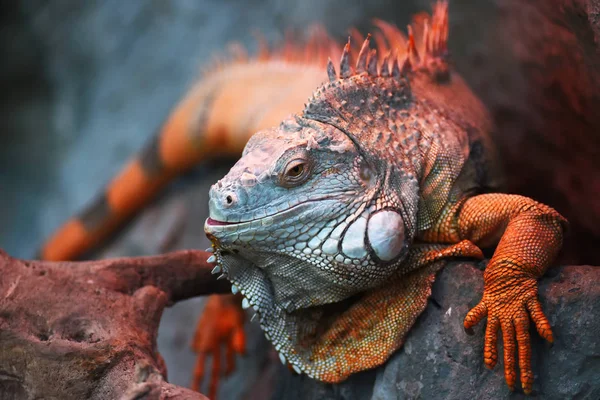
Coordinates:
333	224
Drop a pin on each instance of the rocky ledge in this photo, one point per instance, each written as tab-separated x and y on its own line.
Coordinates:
440	361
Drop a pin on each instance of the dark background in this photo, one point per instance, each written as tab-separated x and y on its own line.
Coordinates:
84	84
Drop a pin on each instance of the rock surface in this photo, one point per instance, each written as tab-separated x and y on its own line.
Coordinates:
88	329
440	361
76	330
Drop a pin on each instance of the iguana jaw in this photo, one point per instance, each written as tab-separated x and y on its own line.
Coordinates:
317	278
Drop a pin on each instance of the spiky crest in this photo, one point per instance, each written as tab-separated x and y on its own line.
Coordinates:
424	47
395	54
361	62
361	101
372	64
314	50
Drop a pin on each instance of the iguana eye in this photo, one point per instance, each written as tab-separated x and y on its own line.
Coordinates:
295	173
296	170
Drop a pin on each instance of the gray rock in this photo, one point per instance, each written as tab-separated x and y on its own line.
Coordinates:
440	361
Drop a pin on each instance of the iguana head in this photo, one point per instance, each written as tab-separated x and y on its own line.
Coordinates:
321	210
298	205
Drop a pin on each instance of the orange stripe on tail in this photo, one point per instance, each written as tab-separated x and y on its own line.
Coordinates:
217	117
171	153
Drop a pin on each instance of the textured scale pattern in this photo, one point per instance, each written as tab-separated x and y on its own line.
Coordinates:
510	295
337	256
334	222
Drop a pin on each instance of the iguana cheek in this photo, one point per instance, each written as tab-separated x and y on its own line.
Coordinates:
386	234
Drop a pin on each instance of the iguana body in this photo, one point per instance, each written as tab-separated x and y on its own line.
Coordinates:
332	224
392	175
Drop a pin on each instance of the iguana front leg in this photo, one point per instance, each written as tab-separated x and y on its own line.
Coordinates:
221	326
529	235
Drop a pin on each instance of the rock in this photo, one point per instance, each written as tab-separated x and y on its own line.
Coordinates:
439	360
88	330
67	330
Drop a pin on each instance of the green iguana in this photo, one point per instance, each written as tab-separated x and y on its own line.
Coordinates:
333	224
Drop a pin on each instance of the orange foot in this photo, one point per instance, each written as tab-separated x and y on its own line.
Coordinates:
221	324
508	305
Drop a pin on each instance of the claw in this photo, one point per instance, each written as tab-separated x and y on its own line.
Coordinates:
210	250
211	259
216	270
234	289
222	276
282	359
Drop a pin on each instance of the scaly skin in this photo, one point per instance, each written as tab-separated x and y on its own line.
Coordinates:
532	236
333	224
450	159
528	236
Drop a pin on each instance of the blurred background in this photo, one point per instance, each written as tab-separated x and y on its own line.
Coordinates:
83	85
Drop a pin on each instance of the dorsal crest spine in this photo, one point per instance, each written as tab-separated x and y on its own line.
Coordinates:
400	55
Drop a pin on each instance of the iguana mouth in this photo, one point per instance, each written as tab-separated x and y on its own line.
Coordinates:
210	221
266	220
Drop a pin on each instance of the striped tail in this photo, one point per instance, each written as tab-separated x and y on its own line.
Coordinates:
171	152
217	117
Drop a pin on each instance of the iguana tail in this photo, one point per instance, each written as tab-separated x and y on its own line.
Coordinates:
218	115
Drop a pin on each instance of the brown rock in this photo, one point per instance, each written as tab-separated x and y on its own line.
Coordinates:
88	330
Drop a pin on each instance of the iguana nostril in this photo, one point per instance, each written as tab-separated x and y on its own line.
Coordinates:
229	199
